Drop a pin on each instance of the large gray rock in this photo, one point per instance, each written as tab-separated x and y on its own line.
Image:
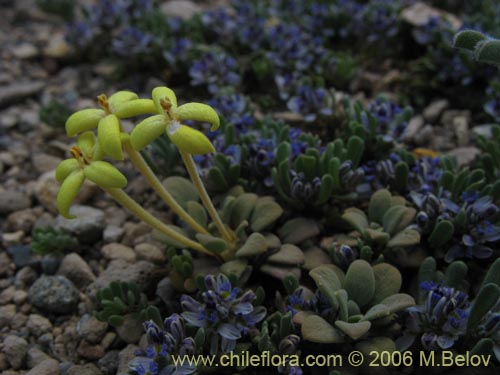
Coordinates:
47	367
87	226
77	270
15	349
19	91
124	357
11	201
38	325
55	294
88	369
91	329
142	273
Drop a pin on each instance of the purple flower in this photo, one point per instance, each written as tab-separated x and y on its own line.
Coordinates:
440	322
226	313
216	70
310	102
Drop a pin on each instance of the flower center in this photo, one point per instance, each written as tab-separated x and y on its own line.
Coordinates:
103	102
166	104
77	153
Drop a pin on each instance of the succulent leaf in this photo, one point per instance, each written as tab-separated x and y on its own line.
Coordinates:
316	329
135	107
84	120
108	134
360	282
68	191
189	140
255	244
468	39
65	168
380	202
147	131
388	281
198	112
105	174
182	190
354	330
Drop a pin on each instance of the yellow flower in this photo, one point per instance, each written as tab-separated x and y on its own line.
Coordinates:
169	120
107	119
71	173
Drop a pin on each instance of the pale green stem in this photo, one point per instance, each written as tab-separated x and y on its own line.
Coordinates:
157	186
124	199
207	202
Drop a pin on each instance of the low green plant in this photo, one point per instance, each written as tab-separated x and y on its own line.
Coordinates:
47	241
121	299
362	303
54	114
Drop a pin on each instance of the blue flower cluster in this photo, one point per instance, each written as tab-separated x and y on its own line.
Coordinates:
224	312
216	70
163	343
440	322
471	218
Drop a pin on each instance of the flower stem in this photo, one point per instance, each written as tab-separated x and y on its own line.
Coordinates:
158	187
124	199
207	202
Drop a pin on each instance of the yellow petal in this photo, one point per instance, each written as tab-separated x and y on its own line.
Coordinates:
83	120
104	174
108	134
68	191
147	131
189	140
198	112
86	142
120	97
162	92
65	168
135	107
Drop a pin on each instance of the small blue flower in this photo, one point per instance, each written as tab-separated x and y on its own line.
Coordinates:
310	102
225	312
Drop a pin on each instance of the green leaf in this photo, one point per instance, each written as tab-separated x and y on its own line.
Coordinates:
398	302
298	230
68	192
407	237
198	112
149	129
288	254
488	51
388	281
105	175
380	202
468	39
354	330
65	168
211	243
264	215
84	120
493	274
108	134
376	312
487	298
236	267
198	213
316	329
396	218
360	282
442	233
189	140
327	282
483	347
426	272
181	189
356	218
255	244
455	274
242	208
